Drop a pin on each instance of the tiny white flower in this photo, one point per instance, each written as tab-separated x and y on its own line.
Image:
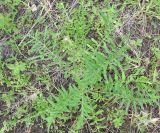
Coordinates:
66	38
34	8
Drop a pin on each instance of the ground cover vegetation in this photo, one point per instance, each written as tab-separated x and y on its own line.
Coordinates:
89	66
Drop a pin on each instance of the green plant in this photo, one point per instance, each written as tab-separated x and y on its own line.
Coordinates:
6	24
80	64
18	79
117	117
7	19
